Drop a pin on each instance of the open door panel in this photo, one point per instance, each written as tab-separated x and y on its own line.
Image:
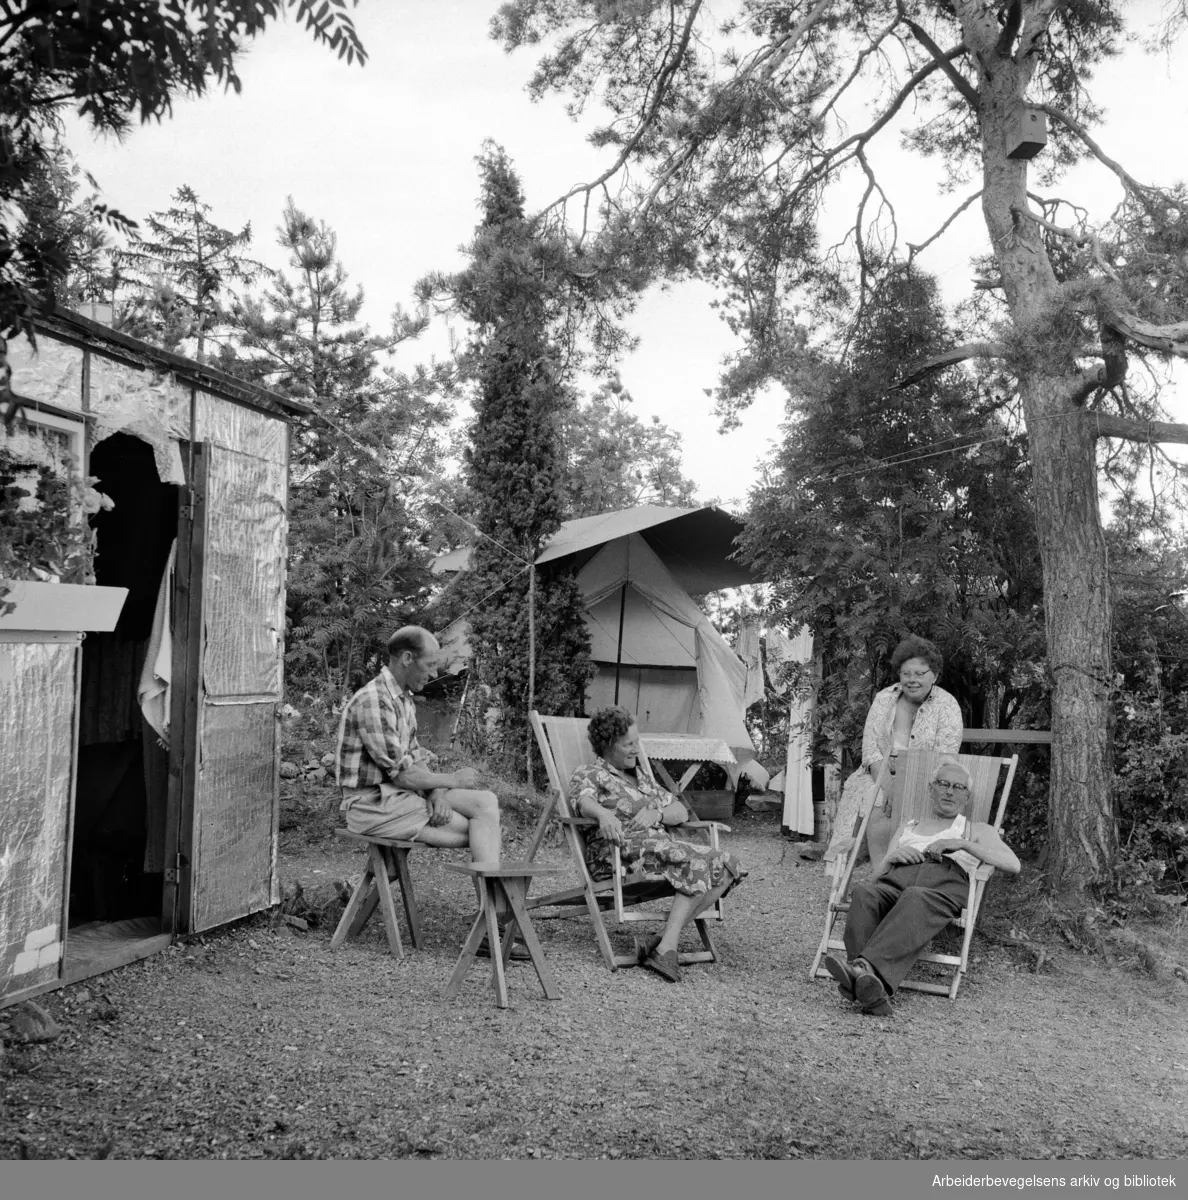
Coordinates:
229	625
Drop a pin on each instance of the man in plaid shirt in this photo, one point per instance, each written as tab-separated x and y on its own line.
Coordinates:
389	788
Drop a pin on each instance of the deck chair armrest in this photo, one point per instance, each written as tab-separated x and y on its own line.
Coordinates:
577	822
704	825
983	872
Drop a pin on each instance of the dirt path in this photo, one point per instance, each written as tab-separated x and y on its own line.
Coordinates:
258	1042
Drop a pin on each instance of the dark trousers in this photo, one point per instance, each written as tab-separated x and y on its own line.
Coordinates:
894	918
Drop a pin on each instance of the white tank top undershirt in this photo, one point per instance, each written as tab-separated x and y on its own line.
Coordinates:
921	841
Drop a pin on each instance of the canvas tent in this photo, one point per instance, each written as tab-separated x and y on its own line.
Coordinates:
652	645
139	744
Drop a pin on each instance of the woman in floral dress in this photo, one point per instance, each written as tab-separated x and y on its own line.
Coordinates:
636	814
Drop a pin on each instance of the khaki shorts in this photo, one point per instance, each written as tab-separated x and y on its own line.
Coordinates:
385	811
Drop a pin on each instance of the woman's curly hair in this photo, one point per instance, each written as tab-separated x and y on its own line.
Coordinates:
917	647
607	725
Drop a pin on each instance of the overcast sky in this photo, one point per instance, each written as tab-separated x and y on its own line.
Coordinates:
385	154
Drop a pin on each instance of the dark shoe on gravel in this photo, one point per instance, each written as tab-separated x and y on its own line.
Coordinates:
872	995
644	946
519	952
665	965
843	973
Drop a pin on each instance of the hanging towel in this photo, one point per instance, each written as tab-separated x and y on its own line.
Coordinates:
747	648
153	690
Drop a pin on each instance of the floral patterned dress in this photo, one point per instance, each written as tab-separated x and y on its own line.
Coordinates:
689	868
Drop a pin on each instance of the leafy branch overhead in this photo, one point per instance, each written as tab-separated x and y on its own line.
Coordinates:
736	137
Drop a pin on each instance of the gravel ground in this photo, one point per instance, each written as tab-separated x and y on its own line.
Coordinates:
257	1042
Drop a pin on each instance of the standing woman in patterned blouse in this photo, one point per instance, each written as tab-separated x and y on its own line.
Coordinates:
913	714
636	814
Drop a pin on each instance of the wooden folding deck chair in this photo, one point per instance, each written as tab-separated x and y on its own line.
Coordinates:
990	784
564	747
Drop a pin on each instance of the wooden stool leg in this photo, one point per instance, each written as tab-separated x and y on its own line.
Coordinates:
498	978
469	950
369	906
387	904
516	890
706	940
407	895
354	917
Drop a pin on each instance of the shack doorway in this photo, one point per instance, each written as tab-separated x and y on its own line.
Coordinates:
118	838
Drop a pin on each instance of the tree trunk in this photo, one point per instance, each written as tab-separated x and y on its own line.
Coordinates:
1082	835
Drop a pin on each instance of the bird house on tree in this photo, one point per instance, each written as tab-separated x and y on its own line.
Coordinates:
1029	133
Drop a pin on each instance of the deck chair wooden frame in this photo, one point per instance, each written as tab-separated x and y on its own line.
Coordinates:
990	780
564	747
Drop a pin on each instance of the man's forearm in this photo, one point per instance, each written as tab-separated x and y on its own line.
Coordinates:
418	778
1000	856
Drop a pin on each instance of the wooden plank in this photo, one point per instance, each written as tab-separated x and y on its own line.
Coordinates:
490	907
186	733
1022	737
65	607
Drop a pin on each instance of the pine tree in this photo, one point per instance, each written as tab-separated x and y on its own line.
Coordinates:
176	274
515	465
361	469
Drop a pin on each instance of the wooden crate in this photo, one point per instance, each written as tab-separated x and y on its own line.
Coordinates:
711	805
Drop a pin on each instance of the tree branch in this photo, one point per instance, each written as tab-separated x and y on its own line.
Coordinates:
1142	191
663	79
956	355
1078	239
1167	339
1112	426
944	61
1010	31
918	249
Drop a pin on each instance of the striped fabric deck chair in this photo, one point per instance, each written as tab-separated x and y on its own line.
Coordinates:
990	782
564	747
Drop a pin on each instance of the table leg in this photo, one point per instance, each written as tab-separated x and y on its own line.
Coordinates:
516	890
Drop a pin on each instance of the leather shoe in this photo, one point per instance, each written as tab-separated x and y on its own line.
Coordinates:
871	994
665	965
645	945
843	973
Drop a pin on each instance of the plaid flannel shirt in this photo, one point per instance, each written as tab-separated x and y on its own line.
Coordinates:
377	736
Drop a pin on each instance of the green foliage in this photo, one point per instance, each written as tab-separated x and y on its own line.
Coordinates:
111	60
362	469
44	533
513	296
617	461
907	510
179	270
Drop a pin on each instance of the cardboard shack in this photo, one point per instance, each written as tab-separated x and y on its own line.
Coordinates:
656	652
139	717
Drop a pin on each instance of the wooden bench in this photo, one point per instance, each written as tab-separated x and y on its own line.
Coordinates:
386	859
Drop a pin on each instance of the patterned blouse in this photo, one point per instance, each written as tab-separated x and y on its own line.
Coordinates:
938	724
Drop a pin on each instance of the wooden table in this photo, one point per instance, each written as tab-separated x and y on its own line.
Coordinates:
509	880
684	747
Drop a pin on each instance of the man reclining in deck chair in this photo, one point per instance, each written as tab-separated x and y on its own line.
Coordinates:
919	887
636	815
389	788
